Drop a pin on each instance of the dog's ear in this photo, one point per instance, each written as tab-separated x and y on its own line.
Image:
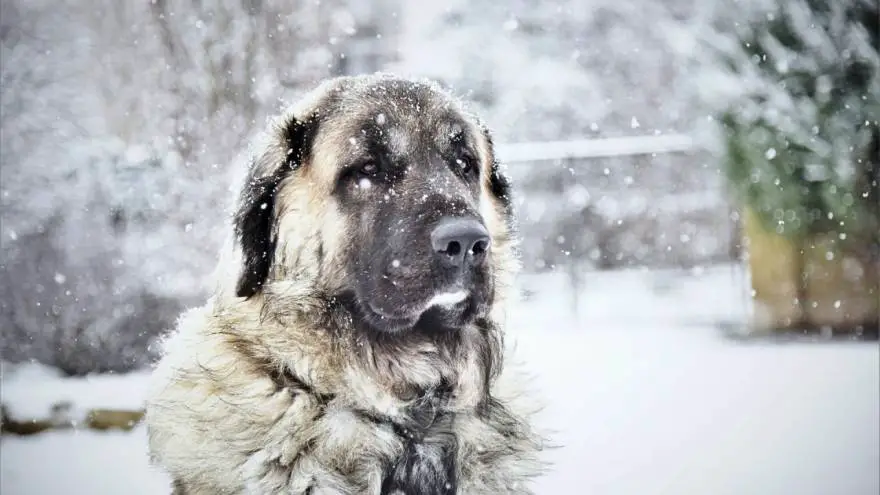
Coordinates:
499	184
256	208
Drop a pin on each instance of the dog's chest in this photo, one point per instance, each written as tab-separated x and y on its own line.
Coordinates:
427	464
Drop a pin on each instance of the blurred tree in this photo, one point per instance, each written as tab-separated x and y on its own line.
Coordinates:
120	125
798	110
802	142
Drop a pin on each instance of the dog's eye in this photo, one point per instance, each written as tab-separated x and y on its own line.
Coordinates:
369	168
466	164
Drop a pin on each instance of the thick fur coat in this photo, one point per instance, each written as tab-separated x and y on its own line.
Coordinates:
304	374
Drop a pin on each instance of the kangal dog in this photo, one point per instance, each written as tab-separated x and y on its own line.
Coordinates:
354	341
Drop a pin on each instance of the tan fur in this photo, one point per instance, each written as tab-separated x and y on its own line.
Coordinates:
265	395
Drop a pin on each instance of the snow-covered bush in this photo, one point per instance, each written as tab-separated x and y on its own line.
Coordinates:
121	122
795	90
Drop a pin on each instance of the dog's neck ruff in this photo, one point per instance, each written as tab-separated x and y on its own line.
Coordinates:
396	373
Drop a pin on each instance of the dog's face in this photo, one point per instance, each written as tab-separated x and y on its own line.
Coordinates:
385	193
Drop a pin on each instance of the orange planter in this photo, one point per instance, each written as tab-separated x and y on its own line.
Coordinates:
809	285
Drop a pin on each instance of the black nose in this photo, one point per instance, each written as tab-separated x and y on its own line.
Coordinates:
460	240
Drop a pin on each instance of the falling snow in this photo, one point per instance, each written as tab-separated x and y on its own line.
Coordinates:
117	181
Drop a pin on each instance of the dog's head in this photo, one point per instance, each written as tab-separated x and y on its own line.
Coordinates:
386	194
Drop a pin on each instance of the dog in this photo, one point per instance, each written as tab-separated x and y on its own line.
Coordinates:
354	341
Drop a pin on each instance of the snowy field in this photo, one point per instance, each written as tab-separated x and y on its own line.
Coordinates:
646	397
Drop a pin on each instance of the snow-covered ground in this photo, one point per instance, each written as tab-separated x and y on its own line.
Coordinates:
645	395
